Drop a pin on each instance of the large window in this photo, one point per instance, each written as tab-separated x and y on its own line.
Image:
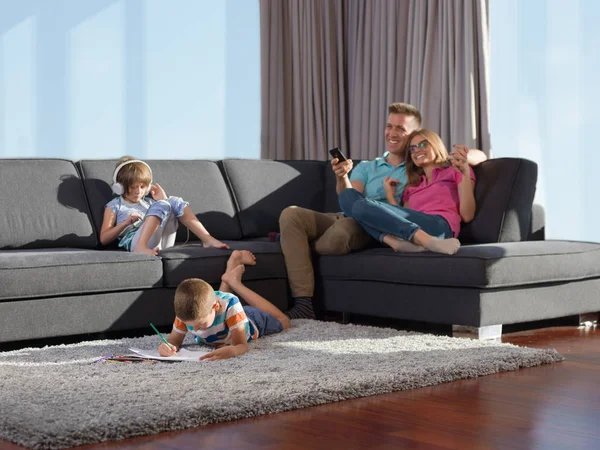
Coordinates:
154	79
544	104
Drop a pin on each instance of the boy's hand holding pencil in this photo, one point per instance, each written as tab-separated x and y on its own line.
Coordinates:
167	350
164	349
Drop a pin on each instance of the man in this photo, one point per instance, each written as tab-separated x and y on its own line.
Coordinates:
333	233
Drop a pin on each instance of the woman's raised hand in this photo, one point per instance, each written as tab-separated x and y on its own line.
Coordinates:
458	158
389	185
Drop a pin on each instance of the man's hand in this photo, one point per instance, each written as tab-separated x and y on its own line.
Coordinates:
458	158
226	352
157	192
341	169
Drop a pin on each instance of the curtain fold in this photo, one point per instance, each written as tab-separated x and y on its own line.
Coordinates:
330	69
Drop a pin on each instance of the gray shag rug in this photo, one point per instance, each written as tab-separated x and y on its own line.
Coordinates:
55	397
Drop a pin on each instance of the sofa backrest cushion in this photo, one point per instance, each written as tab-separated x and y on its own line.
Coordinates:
201	183
43	205
504	193
263	188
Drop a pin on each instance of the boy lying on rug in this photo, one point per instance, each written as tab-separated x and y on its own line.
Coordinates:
217	318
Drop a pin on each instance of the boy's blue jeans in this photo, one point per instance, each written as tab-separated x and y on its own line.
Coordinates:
379	218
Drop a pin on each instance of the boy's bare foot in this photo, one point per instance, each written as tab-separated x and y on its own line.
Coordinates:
241	257
215	243
146	250
234	276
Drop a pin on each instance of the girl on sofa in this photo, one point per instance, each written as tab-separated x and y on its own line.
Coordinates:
143	224
438	196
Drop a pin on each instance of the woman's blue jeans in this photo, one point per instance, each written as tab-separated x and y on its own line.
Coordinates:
379	218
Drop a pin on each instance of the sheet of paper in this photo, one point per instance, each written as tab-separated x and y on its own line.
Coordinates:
182	355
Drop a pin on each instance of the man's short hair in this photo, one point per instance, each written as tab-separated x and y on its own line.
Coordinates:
194	299
407	109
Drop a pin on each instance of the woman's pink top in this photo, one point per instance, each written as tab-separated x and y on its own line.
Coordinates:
439	197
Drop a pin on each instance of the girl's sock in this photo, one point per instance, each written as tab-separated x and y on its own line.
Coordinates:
302	309
447	246
408	247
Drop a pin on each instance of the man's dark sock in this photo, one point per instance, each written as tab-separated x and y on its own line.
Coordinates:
302	309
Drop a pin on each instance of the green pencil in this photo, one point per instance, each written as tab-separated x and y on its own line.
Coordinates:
160	335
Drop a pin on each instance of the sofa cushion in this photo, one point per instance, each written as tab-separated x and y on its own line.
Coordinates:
195	261
199	182
62	271
478	266
263	189
43	205
504	194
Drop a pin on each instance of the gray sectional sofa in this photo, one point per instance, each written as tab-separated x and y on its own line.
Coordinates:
56	280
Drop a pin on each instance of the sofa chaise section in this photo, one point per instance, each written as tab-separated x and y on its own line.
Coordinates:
482	286
498	277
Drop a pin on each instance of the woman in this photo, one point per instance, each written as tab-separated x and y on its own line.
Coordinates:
438	196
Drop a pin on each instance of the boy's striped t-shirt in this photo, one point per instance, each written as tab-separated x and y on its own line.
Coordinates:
229	316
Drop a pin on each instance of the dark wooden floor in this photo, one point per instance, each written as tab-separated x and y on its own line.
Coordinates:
550	407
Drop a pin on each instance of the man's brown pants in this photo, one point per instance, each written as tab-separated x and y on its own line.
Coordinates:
303	230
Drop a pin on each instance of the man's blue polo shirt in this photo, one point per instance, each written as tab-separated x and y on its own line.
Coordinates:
371	174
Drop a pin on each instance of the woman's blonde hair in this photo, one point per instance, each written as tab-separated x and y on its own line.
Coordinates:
414	172
132	173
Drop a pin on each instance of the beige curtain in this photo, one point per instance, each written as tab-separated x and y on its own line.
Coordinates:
303	67
330	68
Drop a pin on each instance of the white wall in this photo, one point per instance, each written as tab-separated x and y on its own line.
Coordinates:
544	104
155	79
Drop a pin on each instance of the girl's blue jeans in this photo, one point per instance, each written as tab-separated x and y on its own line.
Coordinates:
379	218
167	212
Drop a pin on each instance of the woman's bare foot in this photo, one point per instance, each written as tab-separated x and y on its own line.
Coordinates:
400	245
215	243
143	249
241	257
233	277
448	246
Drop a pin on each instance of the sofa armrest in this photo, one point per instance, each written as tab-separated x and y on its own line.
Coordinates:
537	225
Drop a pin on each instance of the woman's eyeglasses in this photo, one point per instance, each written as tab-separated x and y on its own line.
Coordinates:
421	145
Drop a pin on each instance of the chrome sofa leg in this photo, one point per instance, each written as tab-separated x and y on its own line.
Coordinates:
345	317
487	332
588	319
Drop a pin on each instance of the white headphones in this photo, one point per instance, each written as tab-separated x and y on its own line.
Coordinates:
118	188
